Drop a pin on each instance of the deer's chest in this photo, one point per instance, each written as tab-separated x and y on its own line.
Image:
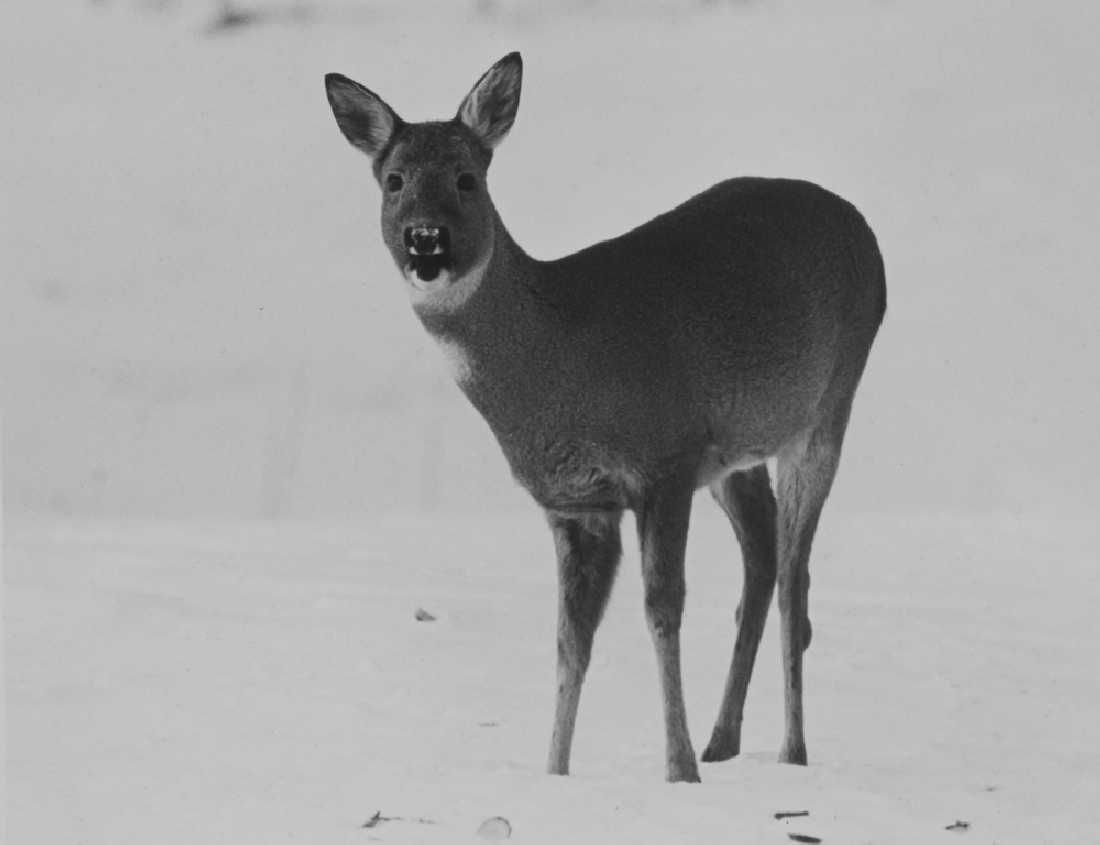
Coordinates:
573	455
578	437
568	472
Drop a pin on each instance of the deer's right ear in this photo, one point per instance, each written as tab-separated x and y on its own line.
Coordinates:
490	107
364	118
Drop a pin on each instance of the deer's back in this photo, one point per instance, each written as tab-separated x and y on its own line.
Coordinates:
747	262
752	279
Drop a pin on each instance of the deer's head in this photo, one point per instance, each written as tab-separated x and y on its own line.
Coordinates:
437	218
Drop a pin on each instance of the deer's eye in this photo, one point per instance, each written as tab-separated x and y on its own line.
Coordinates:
394	182
467	182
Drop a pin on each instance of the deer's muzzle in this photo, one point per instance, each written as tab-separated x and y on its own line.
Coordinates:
429	250
427	240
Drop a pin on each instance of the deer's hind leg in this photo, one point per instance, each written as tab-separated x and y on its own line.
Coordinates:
747	499
588	549
805	471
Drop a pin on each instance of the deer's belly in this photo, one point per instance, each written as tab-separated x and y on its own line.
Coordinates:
717	463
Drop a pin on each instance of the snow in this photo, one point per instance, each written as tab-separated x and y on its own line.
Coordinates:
235	466
255	683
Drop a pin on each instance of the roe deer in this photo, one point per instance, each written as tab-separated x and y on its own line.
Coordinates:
687	352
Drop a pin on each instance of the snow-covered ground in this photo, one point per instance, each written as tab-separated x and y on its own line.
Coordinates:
242	683
234	468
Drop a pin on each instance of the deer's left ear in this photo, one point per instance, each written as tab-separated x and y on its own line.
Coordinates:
364	118
490	107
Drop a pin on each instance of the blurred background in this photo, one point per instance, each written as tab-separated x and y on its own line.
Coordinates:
200	318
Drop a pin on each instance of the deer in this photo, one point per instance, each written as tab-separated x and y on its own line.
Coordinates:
722	336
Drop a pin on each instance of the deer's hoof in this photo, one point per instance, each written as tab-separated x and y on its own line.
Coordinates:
723	745
794	754
682	771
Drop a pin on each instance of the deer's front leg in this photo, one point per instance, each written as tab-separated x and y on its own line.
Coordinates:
662	533
588	549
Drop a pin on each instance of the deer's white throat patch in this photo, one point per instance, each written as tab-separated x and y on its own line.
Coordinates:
446	294
458	360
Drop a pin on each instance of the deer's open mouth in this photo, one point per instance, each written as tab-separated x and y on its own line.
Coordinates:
429	250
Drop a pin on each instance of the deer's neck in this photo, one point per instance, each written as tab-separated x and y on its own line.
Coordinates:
489	323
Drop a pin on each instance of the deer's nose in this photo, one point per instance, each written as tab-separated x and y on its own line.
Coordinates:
427	240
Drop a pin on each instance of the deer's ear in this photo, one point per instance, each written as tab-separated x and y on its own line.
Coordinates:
364	118
490	107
